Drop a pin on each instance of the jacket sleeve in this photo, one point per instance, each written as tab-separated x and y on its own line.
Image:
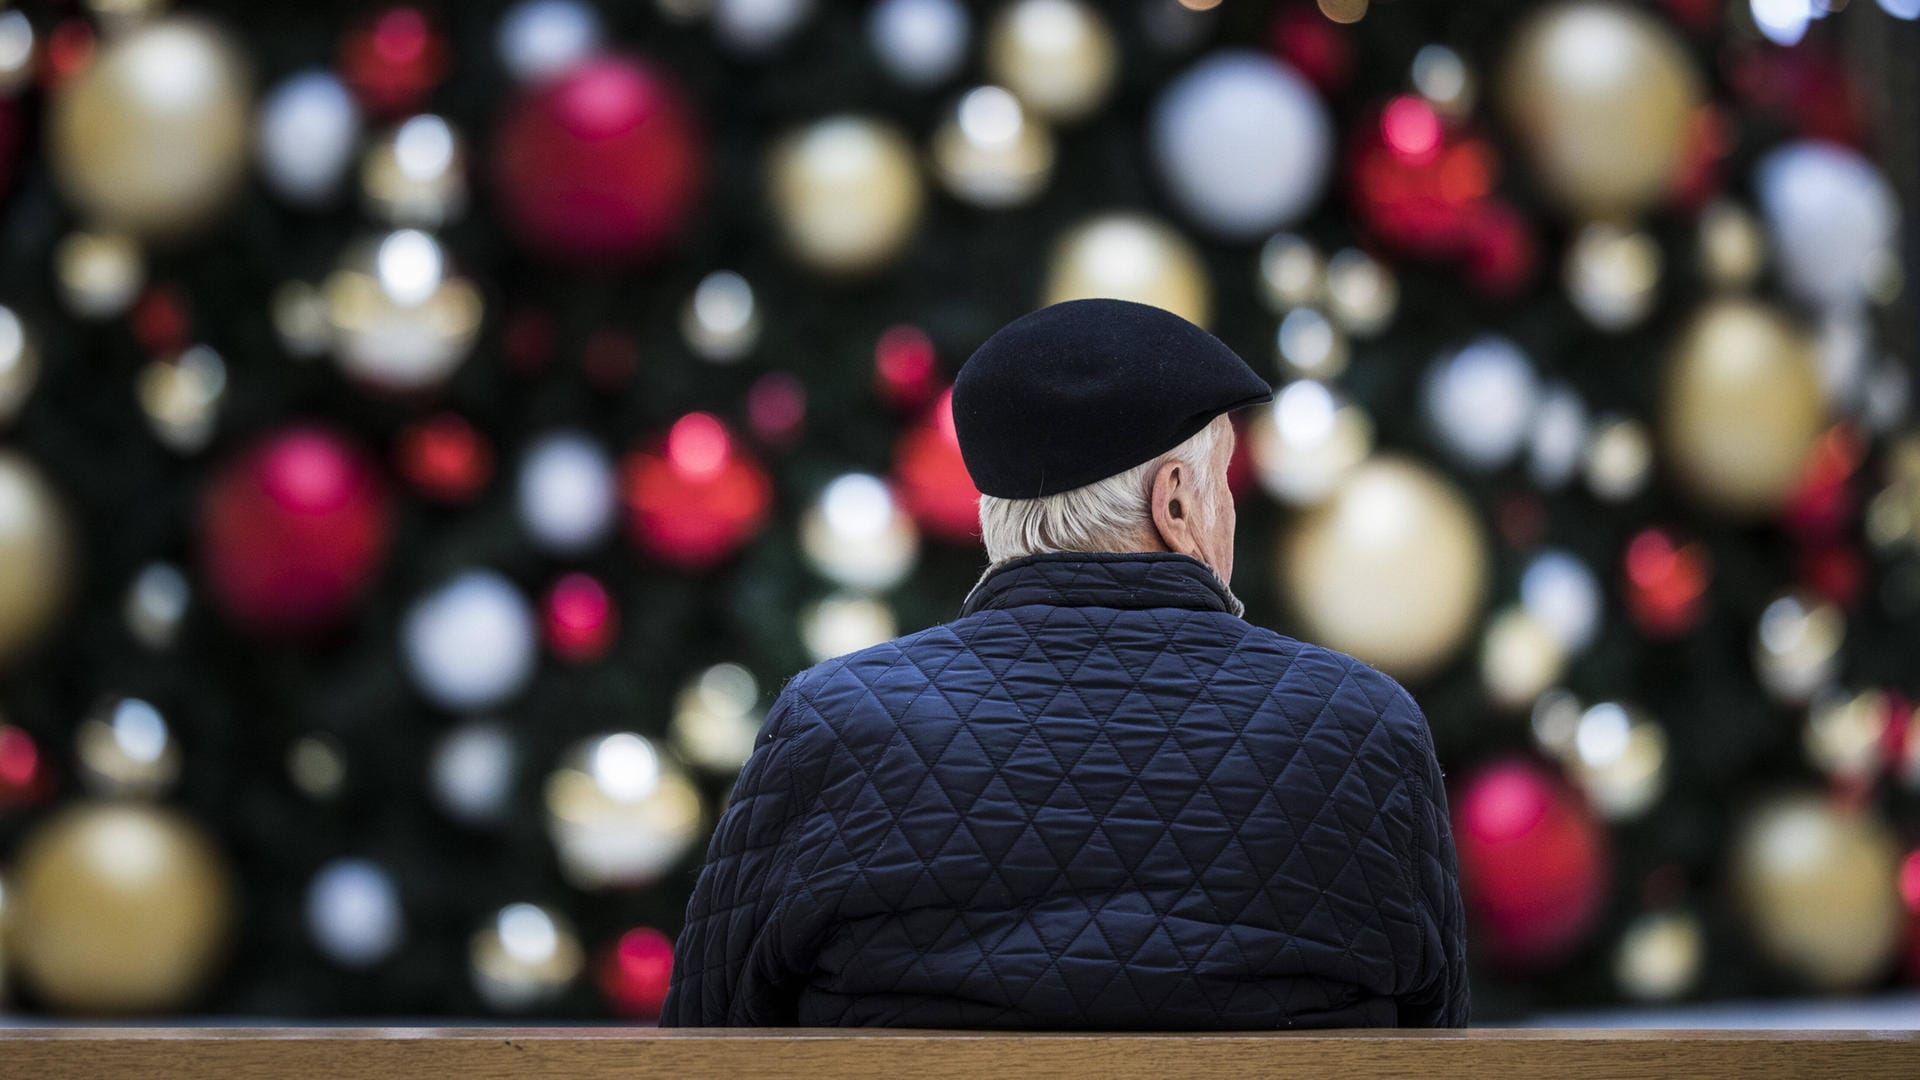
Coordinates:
1443	998
730	966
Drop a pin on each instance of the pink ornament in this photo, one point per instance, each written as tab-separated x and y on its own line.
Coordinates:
696	497
931	480
635	973
1533	863
580	619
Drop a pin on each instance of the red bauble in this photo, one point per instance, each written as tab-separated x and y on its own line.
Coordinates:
931	480
393	61
580	619
903	367
696	497
635	973
161	321
1910	896
1533	863
777	409
1319	49
291	532
601	164
24	776
1666	583
445	458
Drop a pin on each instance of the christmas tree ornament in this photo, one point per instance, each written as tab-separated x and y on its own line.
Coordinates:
1292	273
904	367
1617	461
1817	884
19	365
444	458
181	397
317	766
118	908
523	957
1619	759
757	27
18	55
602	164
300	320
26	777
579	618
846	193
721	321
1442	77
1558	436
99	273
845	622
156	604
1833	219
470	644
1361	292
1730	248
150	138
161	320
1129	256
393	60
777	409
930	478
1520	658
306	135
125	750
566	492
1796	646
856	535
1666	583
1391	567
620	814
1846	734
1243	144
401	319
416	174
696	497
1742	407
988	151
1310	346
1660	955
353	913
36	555
292	531
1533	863
1612	275
1602	97
471	772
1059	56
1480	400
716	718
541	39
636	971
1307	442
1564	595
1555	721
920	43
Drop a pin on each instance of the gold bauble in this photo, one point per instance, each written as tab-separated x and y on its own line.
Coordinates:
858	536
1307	441
1742	406
1731	248
716	718
416	174
1057	55
1129	257
1391	568
1602	97
1618	756
125	750
1612	275
845	622
1659	956
619	813
525	956
1818	886
151	136
401	320
1520	658
35	554
119	907
100	274
847	193
990	152
19	365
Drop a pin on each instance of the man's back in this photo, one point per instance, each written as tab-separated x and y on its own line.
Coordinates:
1096	800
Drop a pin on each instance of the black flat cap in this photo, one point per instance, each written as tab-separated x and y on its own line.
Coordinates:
1080	391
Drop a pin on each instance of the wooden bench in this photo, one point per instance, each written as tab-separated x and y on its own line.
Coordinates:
484	1053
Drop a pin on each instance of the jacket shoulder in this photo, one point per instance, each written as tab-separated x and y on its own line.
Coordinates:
867	682
1355	691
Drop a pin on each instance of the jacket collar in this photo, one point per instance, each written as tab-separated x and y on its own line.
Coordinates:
1101	579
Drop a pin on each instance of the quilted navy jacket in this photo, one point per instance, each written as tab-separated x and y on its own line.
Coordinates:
1097	799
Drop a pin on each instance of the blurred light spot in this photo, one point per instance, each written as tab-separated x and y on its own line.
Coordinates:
1344	11
697	444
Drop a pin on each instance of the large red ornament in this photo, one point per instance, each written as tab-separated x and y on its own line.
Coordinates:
695	497
903	367
635	973
1533	863
291	532
393	61
601	164
931	481
1666	583
445	458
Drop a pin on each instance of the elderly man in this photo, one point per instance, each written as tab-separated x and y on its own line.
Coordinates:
1099	798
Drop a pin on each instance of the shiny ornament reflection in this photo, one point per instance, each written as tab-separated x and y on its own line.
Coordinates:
846	193
845	622
1660	956
471	643
415	175
1796	646
1480	401
716	717
523	957
402	320
990	152
125	749
353	912
99	273
306	135
619	813
1619	758
721	320
858	536
1129	257
1613	275
1307	441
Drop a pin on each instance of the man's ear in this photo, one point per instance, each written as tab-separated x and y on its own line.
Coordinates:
1173	501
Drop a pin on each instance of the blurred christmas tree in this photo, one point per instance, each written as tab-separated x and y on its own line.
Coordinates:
428	436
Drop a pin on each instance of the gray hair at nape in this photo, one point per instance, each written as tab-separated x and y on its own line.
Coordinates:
1106	515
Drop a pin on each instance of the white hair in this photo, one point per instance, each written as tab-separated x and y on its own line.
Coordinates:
1106	515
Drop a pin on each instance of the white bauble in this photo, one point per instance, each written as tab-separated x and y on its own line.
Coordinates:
471	643
858	535
1243	143
353	913
1481	401
539	39
567	497
1832	217
308	132
471	772
1558	437
758	26
1563	594
921	43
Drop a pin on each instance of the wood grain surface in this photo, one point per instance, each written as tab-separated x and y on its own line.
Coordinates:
484	1053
